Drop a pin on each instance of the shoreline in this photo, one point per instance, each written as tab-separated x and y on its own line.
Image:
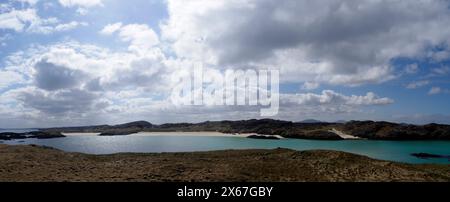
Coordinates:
179	134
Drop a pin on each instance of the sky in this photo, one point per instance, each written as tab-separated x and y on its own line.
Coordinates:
85	62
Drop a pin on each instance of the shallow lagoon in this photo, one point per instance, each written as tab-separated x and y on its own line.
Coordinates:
387	150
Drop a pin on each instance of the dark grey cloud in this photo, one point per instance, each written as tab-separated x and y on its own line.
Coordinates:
52	77
347	42
60	102
146	73
331	30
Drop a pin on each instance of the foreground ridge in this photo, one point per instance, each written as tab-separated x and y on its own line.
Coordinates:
35	163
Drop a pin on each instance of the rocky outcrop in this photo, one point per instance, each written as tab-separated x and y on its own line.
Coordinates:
393	131
263	137
34	134
429	156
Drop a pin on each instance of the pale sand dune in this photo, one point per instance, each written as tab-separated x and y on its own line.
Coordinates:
343	135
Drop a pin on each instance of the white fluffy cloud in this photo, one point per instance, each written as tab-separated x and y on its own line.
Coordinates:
313	43
28	20
8	78
111	28
81	3
86	81
17	19
329	97
52	25
332	41
140	36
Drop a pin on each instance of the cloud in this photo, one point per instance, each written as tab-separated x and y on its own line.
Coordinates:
329	97
70	65
69	26
52	77
441	71
111	28
30	2
17	19
310	85
28	20
438	90
440	56
83	83
140	36
4	38
434	91
9	78
58	102
412	68
337	42
51	25
82	11
417	84
81	3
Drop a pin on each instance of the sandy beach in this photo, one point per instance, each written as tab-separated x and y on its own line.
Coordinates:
177	134
80	134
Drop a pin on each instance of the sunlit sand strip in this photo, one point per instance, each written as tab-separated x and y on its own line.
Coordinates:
344	135
81	134
199	134
179	134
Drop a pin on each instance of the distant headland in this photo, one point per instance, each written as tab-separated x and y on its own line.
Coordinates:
310	129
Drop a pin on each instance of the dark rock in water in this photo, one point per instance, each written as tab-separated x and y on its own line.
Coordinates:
44	135
12	136
263	137
429	156
314	135
117	133
34	134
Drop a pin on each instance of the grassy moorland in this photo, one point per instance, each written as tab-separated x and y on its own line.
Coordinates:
35	163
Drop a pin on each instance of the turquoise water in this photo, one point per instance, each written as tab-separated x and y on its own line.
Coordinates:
387	150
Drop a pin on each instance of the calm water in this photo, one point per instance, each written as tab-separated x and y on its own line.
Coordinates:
386	150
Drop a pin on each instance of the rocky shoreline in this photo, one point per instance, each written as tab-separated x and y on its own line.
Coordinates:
34	134
35	163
